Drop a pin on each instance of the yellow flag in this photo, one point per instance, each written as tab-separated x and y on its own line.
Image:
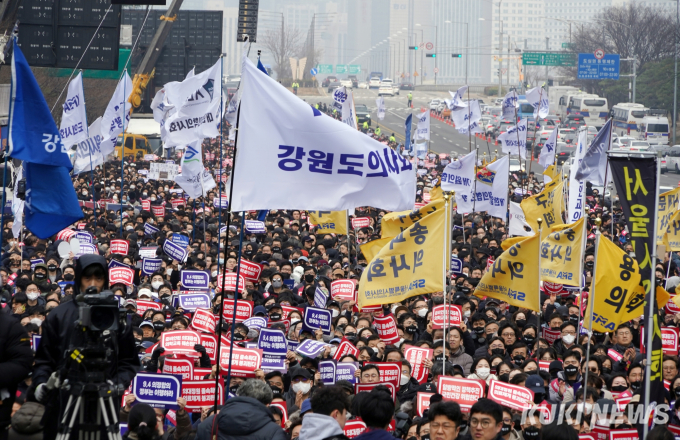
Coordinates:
410	264
619	296
553	173
395	222
513	278
561	252
329	221
509	242
672	235
546	205
371	249
668	206
436	192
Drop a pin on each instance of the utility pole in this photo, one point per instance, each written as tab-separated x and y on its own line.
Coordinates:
547	48
500	52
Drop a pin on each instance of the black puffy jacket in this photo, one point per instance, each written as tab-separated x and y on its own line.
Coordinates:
16	361
242	418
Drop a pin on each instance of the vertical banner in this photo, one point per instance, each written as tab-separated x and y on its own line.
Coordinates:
636	183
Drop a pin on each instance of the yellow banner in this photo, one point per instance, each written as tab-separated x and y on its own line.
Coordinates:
513	278
396	222
561	253
546	205
329	221
619	296
668	206
410	264
371	249
510	242
553	173
436	192
672	235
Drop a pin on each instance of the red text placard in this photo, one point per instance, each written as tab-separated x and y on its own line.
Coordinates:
387	328
119	247
464	391
203	321
146	205
244	310
344	289
230	282
669	340
389	372
354	428
180	367
623	434
513	396
367	387
423	400
361	222
200	373
344	348
210	343
244	361
415	356
288	309
123	275
144	305
551	335
158	211
200	393
439	316
250	271
180	341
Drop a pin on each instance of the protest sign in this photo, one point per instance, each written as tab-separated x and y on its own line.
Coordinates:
344	348
389	372
345	371
327	370
367	387
123	275
180	367
512	396
422	402
316	318
174	251
387	328
623	434
669	340
210	343
361	222
163	171
244	310
254	227
415	356
203	321
200	373
180	342
120	247
195	279
284	410
439	316
84	237
151	265
146	205
344	290
148	251
273	363
201	393
272	342
256	322
288	309
311	348
320	298
551	335
250	271
464	391
144	305
193	301
244	361
157	390
354	428
230	282
35	341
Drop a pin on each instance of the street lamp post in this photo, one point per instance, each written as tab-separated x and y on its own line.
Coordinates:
436	41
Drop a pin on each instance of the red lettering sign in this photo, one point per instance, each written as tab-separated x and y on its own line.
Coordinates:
586	437
144	305
344	289
623	399
544	365
244	310
439	316
344	348
361	222
288	309
464	391
670	305
551	335
146	205
600	432
623	434
230	282
200	373
210	344
200	393
423	400
123	275
389	372
669	340
354	428
180	341
513	396
181	367
158	211
284	410
203	321
176	203
614	354
119	247
250	271
387	328
415	356
367	387
244	361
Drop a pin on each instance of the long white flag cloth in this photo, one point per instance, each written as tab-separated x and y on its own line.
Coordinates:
491	191
290	153
195	179
73	128
116	116
576	186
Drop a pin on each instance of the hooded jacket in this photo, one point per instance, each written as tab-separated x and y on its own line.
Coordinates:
241	418
320	427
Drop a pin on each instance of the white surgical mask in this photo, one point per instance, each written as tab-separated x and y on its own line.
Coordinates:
156	284
422	313
168	272
466	314
32	296
333	350
335	312
404	379
302	386
568	339
483	373
213	274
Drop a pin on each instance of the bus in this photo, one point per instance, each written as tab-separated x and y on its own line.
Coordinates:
565	103
627	117
375	75
525	110
592	108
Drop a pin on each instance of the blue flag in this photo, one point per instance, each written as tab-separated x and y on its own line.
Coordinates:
262	214
407	127
33	135
51	201
261	67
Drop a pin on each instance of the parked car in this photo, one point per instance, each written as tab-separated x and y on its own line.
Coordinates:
434	104
406	86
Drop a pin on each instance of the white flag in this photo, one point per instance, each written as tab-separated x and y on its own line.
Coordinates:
232	110
456	100
538	98
117	115
491	191
514	140
179	92
310	156
381	107
195	179
423	130
518	221
344	101
89	154
465	118
547	156
576	192
459	176
73	128
18	206
510	106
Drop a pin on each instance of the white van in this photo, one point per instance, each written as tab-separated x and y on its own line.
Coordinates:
654	128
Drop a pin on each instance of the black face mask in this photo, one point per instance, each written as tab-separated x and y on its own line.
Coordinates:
529	340
530	372
158	326
248	253
232	389
412	329
276	391
309	278
599	336
478	330
285	276
625	426
518	360
538	398
276	249
532	432
571	370
439	358
498	351
574	318
238	337
68	277
606	370
52	267
39	276
350	335
463	425
266	256
590	264
635	384
521	323
619	388
676	390
275	316
505	377
505	429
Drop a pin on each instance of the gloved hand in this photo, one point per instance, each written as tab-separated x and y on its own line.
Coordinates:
199	348
157	353
41	392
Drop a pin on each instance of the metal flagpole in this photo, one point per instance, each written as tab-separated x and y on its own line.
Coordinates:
591	301
540	238
4	191
652	298
533	145
447	196
233	322
219	180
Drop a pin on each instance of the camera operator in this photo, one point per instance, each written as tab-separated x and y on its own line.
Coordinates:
57	332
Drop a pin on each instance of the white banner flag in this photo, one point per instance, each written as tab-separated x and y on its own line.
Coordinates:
18	206
510	106
518	221
538	98
459	176
423	130
310	156
491	192
232	110
456	101
381	107
344	100
89	154
514	140
576	191
73	128
117	115
466	118
195	179
547	156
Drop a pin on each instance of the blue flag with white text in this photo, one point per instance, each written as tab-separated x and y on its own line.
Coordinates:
407	126
51	201
33	135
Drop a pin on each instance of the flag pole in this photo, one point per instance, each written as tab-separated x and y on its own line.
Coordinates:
651	306
533	145
447	212
4	191
591	299
540	238
219	179
122	161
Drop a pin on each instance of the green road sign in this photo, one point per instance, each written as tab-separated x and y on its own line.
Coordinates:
548	59
354	69
567	45
341	68
325	68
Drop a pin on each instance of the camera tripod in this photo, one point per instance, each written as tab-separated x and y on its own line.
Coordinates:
92	403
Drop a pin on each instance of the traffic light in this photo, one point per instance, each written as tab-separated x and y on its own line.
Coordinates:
431	55
457	55
413	47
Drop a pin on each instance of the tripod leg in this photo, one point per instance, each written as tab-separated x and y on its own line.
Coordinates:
66	430
65	417
109	433
114	419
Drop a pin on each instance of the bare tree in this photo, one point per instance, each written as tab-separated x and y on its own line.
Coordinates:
282	44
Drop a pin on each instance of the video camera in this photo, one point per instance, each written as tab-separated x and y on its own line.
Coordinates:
98	311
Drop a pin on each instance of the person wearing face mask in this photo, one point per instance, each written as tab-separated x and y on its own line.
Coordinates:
301	386
508	431
408	386
407	321
275	312
53	270
478	331
482	370
276	285
40	275
531	430
568	338
157	281
570	376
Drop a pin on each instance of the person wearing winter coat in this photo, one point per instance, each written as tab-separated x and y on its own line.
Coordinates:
245	416
328	416
376	411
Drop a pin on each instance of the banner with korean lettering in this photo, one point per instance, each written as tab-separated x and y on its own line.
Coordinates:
672	233
371	249
201	393
329	221
669	202
547	205
561	252
395	222
416	355
411	264
464	391
513	278
281	141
